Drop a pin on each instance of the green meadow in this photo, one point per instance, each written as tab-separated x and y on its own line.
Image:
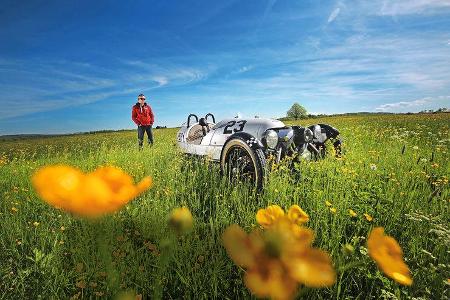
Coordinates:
394	168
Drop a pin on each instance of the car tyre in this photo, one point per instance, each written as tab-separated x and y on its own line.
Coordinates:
239	160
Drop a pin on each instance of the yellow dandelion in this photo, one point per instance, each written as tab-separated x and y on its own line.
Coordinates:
333	210
181	220
352	213
328	203
103	191
368	217
388	255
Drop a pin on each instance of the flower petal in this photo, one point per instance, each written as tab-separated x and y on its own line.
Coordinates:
270	279
238	246
266	217
56	184
388	255
297	215
312	267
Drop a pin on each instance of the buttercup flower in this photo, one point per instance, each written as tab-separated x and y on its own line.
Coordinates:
352	213
388	255
368	217
278	258
297	215
181	220
328	203
266	217
273	214
102	191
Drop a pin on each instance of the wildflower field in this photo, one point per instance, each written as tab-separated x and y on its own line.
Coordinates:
192	234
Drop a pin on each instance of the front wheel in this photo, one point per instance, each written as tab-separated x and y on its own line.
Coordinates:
240	163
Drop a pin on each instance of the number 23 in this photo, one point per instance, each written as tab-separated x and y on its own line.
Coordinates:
240	127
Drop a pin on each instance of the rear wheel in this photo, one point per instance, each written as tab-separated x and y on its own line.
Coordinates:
240	163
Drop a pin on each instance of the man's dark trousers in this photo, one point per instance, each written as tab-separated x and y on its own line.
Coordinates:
141	130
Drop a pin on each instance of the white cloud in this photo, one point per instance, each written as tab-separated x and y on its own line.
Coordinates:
161	80
411	105
245	69
334	15
55	85
406	7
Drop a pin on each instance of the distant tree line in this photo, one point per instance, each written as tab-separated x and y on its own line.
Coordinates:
297	112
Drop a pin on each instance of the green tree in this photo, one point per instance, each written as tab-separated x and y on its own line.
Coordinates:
297	112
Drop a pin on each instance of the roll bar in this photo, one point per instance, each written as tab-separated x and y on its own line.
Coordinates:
212	116
189	118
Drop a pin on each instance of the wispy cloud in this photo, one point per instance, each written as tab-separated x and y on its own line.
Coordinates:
51	86
407	7
334	14
411	105
245	69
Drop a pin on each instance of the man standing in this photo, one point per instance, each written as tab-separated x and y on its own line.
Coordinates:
142	115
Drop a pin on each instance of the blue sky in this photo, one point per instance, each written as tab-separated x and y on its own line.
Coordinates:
79	66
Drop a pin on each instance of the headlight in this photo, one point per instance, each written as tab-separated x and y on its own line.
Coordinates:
317	132
271	138
308	135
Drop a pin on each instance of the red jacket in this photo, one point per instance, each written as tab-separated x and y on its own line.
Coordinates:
142	115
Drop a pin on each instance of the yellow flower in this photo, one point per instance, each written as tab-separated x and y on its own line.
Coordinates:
368	217
272	214
328	203
35	224
312	267
105	190
297	215
388	255
352	213
333	210
181	220
278	259
14	209
348	249
266	217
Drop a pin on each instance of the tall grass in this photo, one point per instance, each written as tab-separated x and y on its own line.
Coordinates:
395	168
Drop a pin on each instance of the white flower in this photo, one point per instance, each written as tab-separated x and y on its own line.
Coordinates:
373	167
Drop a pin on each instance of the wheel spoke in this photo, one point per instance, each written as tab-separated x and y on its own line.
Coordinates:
240	165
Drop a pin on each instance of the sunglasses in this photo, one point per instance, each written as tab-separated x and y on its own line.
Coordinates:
141	98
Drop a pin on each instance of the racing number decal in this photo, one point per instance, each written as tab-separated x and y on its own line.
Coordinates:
239	127
229	124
